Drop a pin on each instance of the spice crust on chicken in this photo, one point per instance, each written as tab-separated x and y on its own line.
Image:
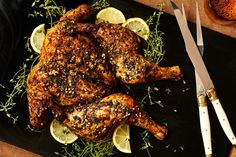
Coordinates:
77	72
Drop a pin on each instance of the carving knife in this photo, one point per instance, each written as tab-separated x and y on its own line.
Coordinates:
200	68
201	95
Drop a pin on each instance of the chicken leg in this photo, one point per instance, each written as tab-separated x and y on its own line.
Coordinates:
122	47
98	120
77	72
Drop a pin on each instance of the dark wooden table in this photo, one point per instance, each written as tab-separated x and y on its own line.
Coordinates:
7	150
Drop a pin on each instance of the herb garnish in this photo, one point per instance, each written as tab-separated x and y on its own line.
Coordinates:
48	9
155	51
18	82
87	149
146	143
19	85
100	4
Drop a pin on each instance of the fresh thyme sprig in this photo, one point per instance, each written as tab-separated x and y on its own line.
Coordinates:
34	56
150	90
19	84
99	5
48	9
87	149
146	143
27	44
155	51
32	129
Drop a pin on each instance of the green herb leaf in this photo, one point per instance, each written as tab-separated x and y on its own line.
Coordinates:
146	143
87	149
99	5
48	9
154	50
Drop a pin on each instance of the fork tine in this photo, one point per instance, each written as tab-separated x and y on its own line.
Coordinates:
184	14
199	31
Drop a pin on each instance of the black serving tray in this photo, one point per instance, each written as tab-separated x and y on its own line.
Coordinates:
180	111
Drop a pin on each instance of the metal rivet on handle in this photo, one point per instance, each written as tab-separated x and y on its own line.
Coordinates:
212	94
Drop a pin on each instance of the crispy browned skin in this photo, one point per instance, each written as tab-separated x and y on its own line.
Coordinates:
98	120
75	76
71	71
122	47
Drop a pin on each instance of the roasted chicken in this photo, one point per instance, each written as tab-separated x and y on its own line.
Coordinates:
97	121
76	76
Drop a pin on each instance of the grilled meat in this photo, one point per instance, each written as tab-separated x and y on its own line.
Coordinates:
76	73
97	121
130	67
122	48
72	70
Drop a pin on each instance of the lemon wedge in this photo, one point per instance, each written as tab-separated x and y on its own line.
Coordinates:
37	38
61	133
139	26
121	138
111	15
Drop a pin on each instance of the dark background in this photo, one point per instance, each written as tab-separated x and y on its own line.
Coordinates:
180	111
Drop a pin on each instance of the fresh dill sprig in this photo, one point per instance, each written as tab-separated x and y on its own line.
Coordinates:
155	43
48	9
87	149
146	143
99	5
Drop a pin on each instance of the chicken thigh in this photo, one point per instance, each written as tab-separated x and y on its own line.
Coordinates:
98	120
76	75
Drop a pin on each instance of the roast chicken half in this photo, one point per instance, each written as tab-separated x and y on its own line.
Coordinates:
76	76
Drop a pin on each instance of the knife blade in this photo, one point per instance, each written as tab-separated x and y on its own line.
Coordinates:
203	74
201	95
190	45
202	103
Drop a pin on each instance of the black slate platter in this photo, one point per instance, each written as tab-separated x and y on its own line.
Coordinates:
180	111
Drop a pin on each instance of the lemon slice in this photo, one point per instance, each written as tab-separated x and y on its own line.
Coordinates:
139	26
37	38
61	133
121	138
111	15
